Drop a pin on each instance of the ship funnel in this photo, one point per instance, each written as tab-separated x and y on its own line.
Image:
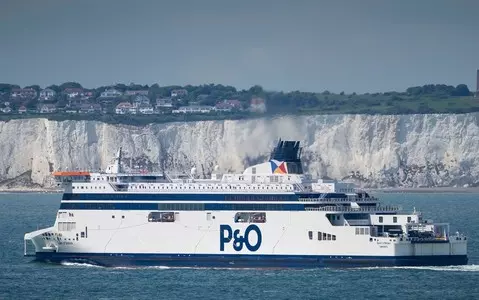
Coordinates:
289	152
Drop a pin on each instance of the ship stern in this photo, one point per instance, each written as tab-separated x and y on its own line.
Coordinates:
40	241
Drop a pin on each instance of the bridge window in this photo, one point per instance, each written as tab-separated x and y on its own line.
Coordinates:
161	217
66	226
409	219
310	234
380	219
250	217
362	230
395	219
320	235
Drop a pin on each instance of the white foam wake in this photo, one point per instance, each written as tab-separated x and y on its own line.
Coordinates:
464	268
76	264
143	267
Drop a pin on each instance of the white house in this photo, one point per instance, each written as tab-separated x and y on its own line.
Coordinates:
164	105
6	109
179	93
123	108
141	99
22	109
47	108
111	93
145	109
46	94
133	110
73	92
23	93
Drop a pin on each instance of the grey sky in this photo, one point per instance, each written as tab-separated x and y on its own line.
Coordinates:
361	46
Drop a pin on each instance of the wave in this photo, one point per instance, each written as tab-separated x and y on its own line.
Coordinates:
144	267
78	264
464	268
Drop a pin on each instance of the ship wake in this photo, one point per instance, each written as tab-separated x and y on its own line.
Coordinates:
464	268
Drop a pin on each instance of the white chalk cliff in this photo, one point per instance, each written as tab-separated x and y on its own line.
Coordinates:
377	151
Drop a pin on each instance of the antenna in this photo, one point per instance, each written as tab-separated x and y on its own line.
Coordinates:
477	84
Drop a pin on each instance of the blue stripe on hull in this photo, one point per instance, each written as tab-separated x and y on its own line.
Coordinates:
183	206
162	196
248	261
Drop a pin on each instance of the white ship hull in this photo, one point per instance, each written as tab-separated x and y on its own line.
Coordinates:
195	241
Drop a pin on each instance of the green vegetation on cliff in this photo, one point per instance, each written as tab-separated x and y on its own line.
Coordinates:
425	99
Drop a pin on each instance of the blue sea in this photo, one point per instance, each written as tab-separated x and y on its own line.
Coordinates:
20	278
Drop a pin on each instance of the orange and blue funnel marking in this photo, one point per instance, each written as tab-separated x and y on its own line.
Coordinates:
278	167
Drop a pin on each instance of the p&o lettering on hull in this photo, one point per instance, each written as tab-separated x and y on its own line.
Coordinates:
227	236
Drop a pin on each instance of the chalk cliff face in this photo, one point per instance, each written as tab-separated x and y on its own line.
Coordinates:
376	151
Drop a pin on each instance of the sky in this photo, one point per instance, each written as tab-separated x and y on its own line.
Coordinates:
351	46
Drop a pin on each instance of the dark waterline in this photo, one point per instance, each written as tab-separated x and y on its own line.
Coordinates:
22	278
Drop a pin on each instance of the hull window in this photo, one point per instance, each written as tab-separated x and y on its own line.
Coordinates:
164	217
250	217
326	236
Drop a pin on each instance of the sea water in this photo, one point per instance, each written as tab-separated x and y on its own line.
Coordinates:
22	278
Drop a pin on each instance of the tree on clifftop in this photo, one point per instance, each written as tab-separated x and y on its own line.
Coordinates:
7	88
35	87
54	87
70	85
461	90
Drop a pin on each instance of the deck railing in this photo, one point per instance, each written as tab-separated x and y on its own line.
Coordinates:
338	200
354	209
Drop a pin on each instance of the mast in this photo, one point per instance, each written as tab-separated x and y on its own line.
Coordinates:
118	161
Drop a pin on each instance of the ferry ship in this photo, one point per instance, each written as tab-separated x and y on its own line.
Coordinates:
270	216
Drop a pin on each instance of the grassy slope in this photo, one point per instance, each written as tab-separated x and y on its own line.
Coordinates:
328	104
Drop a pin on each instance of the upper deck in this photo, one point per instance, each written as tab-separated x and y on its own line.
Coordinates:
275	180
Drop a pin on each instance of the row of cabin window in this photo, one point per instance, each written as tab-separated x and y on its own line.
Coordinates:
89	187
395	219
362	230
186	187
181	187
259	197
322	236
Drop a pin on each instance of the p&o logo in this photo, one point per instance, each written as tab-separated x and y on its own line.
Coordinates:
227	235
